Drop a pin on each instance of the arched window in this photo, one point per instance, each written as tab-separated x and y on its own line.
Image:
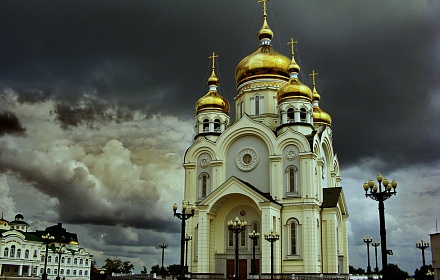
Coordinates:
290	115
18	253
303	115
87	262
62	271
68	260
217	125
205	125
42	258
86	272
294	232
68	272
12	254
6	252
203	184
75	261
80	273
26	254
74	272
48	271
81	261
62	259
292	185
56	259
49	259
257	104
55	271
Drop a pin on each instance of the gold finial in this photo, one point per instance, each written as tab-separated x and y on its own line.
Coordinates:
213	57
264	6
292	44
313	76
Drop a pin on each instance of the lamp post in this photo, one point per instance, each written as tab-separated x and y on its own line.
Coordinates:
375	192
46	239
271	237
375	244
188	238
236	227
183	216
254	236
368	240
163	246
422	245
59	251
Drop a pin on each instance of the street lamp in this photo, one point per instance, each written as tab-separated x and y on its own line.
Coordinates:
375	192
254	236
183	216
46	239
271	237
163	246
188	238
375	244
59	251
368	240
422	245
236	227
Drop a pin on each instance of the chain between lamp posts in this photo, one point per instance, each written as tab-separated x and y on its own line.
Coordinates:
236	227
183	216
46	239
422	245
271	237
375	192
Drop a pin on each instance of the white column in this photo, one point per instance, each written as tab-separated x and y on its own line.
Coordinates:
20	270
203	242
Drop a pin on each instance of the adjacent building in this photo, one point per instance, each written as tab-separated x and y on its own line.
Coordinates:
23	253
273	167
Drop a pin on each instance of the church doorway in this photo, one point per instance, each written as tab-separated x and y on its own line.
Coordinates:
242	268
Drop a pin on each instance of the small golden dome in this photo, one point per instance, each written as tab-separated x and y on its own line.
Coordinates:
264	62
212	101
320	117
265	31
294	89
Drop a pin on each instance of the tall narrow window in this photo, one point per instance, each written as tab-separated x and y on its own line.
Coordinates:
12	251
292	185
18	253
294	231
6	252
303	115
217	125
243	238
205	125
26	254
230	238
257	105
290	115
203	185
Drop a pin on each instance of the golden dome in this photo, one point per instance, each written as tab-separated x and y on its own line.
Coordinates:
212	100
294	89
264	62
320	117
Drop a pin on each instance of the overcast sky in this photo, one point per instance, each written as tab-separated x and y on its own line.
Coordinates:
97	109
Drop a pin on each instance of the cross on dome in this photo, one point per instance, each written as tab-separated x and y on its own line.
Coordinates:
314	74
213	57
264	6
292	44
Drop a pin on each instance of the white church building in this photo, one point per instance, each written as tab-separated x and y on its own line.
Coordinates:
273	167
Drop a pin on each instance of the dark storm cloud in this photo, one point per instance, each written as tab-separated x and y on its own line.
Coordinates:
10	124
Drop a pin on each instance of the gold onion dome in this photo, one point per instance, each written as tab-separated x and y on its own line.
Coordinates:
212	100
265	61
320	117
294	88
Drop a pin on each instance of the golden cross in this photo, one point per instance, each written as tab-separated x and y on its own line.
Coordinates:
213	57
313	76
264	6
292	44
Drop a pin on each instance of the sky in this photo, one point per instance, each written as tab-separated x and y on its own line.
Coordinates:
97	106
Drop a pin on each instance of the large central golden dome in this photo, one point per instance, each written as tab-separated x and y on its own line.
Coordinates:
265	62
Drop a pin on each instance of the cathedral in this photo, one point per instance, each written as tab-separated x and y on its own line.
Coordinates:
270	173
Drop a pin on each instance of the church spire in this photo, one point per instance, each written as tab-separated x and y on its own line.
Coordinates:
265	34
293	67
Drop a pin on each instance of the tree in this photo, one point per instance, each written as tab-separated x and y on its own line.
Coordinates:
174	269
424	273
144	270
155	269
395	273
117	266
353	270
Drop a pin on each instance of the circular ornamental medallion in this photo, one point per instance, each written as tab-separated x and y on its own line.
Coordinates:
247	159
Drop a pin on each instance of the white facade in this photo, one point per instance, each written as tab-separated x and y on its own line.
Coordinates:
275	168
